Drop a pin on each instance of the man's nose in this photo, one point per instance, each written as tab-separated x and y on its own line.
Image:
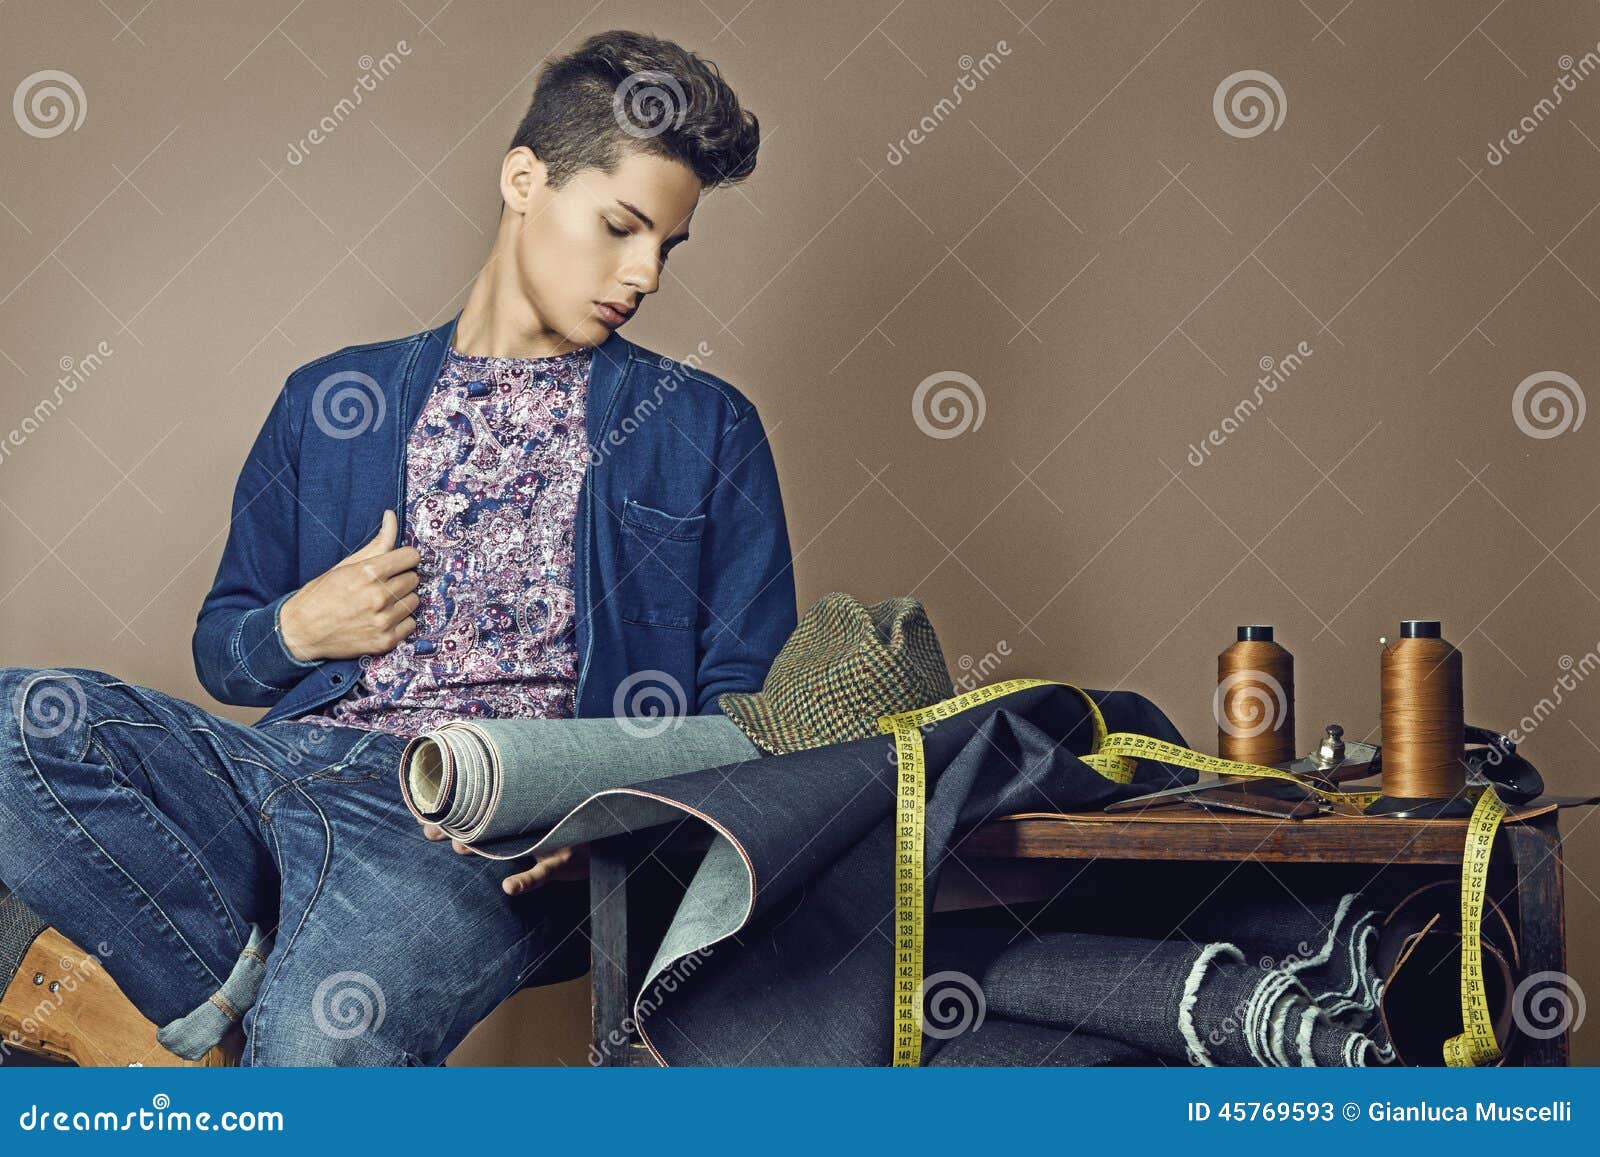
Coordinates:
644	277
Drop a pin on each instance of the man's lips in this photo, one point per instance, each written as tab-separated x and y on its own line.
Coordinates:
612	315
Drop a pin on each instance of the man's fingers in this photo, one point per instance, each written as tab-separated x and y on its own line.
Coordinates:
562	864
435	832
522	881
382	541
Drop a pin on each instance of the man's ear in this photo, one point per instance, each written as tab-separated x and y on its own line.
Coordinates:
522	175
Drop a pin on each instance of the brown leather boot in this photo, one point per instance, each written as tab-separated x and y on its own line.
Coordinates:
62	1004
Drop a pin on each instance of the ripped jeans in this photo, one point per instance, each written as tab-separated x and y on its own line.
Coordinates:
270	877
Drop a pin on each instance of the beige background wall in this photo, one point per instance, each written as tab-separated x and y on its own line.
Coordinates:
1079	235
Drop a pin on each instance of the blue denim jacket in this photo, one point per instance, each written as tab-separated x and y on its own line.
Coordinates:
683	581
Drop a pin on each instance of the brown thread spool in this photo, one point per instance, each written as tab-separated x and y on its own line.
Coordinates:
1424	726
1254	700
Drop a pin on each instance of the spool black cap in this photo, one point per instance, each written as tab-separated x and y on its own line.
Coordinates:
1255	634
1419	628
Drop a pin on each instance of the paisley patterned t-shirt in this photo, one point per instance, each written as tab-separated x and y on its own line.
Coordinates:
493	469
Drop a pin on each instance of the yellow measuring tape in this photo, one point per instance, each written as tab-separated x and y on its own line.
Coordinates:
1475	1044
1113	755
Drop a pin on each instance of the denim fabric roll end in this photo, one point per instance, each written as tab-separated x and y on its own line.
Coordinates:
484	780
196	1034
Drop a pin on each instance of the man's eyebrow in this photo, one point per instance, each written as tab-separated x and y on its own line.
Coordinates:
645	217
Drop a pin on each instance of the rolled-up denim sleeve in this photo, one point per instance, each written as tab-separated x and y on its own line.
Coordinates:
747	573
239	653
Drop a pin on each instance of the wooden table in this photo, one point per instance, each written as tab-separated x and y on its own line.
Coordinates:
1527	850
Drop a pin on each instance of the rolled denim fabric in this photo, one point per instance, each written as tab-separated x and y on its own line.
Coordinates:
495	779
1263	982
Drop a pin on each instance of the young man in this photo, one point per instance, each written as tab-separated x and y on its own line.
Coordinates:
562	518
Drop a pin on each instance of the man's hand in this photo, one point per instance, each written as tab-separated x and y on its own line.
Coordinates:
361	607
571	863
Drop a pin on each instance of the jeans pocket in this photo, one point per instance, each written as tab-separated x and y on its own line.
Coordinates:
659	561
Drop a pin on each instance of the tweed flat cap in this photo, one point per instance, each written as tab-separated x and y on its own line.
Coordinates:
844	666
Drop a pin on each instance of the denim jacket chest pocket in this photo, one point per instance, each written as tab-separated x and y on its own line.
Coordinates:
659	566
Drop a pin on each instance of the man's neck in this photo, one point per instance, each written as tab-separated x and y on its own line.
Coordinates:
496	322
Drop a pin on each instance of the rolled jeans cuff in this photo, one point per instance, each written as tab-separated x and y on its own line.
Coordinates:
197	1033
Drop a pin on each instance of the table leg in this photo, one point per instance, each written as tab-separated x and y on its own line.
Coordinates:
608	953
1536	852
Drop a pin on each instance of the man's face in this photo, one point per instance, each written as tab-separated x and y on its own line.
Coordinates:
602	238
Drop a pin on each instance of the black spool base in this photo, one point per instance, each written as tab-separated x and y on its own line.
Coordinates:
1426	808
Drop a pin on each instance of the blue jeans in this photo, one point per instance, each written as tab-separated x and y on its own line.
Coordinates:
267	876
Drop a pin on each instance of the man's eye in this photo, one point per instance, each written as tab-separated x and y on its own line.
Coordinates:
613	230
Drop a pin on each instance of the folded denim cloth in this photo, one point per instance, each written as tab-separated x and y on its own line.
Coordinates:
1271	983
